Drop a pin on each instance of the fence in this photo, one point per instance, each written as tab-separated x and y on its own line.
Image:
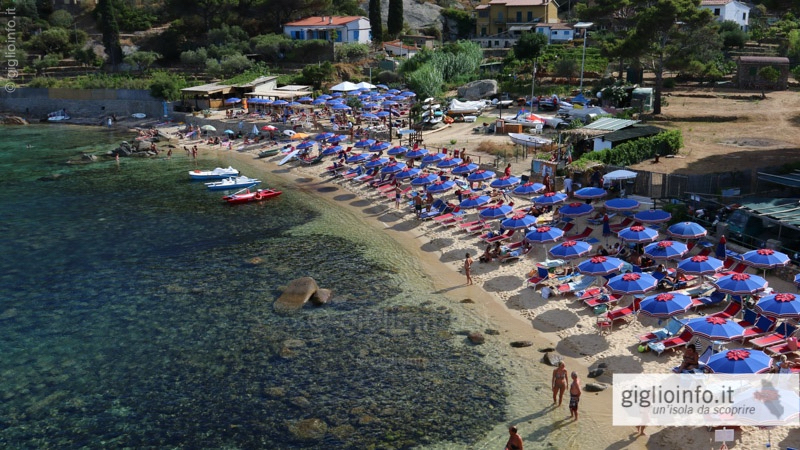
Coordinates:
665	185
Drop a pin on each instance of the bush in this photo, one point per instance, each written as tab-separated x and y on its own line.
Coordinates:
271	47
351	52
233	64
669	83
60	19
167	86
636	151
194	58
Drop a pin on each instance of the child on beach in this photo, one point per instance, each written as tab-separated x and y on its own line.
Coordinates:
467	269
574	396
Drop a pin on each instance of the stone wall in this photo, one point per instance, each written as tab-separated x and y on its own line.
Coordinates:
86	104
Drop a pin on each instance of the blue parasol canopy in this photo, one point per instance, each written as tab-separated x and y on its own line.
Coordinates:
666	250
715	328
570	249
306	144
687	230
418	153
377	162
382	86
369	116
441	186
740	284
340	107
464	169
779	306
765	258
505	182
652	216
528	188
337	138
606	226
797	280
433	158
481	175
364	143
638	234
425	180
324	136
379	146
590	193
632	283
545	234
400	170
305	98
700	265
449	162
232	100
740	361
576	209
665	305
518	222
599	266
332	150
357	158
280	103
396	150
475	201
496	212
550	198
319	101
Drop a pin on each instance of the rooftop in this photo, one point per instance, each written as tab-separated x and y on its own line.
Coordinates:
323	21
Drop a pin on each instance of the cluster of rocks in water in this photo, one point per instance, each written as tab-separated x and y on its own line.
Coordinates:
12	120
300	291
138	148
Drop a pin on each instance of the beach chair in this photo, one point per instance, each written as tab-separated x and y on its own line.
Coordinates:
730	311
542	275
574	286
580	236
599	220
705	251
568	227
784	348
781	333
609	300
624	313
738	268
478	228
456	212
713	299
672	328
749	318
668	344
499	237
438	208
762	326
350	174
617	227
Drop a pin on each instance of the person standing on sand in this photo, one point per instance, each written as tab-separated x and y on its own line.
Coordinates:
398	194
507	172
574	395
418	204
559	382
514	440
568	185
468	269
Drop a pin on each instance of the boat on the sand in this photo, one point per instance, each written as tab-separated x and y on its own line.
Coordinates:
528	140
268	152
216	174
231	183
247	196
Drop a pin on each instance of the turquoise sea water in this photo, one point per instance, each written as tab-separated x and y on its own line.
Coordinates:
135	311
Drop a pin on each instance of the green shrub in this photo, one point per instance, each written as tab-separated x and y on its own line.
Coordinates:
167	85
669	83
638	150
351	52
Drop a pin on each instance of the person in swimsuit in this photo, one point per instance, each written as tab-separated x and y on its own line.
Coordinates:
691	360
514	440
398	194
574	395
468	268
559	382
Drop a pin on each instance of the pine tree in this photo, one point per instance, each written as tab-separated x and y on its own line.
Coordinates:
375	20
107	23
394	23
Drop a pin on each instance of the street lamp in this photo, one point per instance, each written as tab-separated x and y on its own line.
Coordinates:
585	26
533	80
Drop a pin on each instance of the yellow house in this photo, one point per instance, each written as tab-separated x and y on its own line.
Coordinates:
499	16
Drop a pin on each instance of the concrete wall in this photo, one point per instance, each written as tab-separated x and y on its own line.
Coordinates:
97	104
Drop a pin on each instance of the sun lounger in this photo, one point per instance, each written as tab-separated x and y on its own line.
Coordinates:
447	216
580	236
667	344
478	228
781	333
738	268
624	313
574	286
542	275
730	311
499	237
610	300
617	227
350	174
515	251
749	318
599	220
762	326
671	329
784	348
713	299
438	208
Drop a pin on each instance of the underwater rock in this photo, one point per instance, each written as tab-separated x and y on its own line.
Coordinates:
276	392
295	295
492	332
51	177
290	347
321	297
308	429
476	338
519	344
552	359
595	387
13	120
301	402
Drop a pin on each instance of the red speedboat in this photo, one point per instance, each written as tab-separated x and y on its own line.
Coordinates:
246	196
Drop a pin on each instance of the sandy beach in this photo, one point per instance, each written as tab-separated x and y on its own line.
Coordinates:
501	300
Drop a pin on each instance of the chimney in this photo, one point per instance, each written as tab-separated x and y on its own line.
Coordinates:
330	20
323	19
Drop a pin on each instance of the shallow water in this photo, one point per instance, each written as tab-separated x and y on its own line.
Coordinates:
136	312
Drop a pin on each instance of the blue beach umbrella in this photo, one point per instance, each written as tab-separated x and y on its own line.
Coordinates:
781	306
256	101
448	163
294	104
340	107
740	361
652	216
382	86
765	258
369	116
598	266
280	103
306	144
665	305
364	143
474	201
324	136
528	188
666	250
377	162
379	146
441	186
382	113
700	265
505	182
590	193
480	175
544	234
425	180
797	280
357	158
332	150
518	222
400	170
323	96
576	209
496	212
632	283
305	98
232	100
638	234
687	230
433	158
337	138
318	101
396	150
715	328
335	101
740	284
415	154
393	91
550	198
369	105
464	169
570	249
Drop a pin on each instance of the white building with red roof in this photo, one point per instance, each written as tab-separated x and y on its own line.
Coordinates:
731	10
344	29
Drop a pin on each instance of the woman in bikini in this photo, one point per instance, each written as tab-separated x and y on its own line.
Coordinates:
559	382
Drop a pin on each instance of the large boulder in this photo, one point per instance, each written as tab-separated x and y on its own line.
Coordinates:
295	295
478	90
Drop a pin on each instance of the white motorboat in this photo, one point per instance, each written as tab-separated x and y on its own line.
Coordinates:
232	183
528	140
58	116
216	174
